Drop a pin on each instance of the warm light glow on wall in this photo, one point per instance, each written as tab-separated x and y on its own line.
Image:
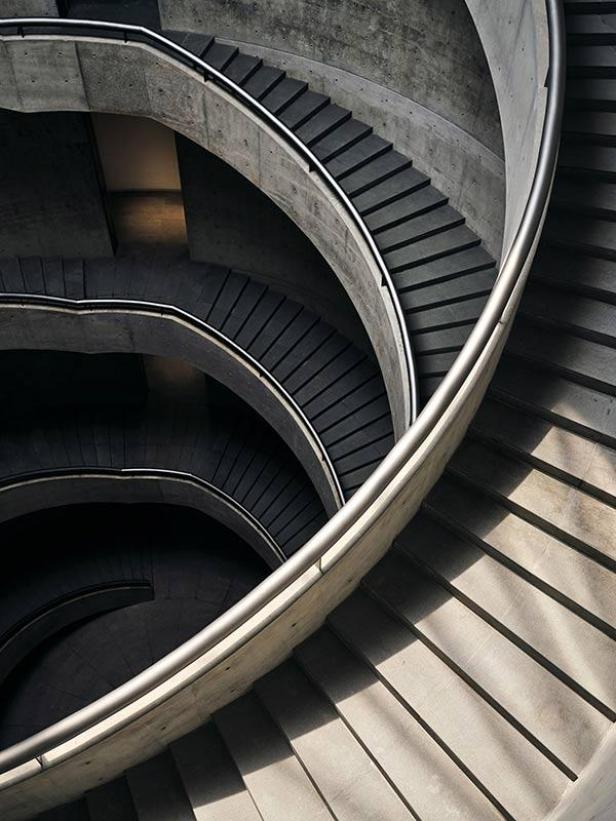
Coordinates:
137	154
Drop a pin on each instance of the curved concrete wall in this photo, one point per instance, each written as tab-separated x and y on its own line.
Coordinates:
60	73
413	69
515	38
95	331
34	495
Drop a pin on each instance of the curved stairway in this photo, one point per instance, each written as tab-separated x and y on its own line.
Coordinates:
441	272
335	385
473	674
207	570
233	456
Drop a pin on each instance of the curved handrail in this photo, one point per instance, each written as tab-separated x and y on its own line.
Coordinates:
93	28
16	480
163	309
30	632
380	492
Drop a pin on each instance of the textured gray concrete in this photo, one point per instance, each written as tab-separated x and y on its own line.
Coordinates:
426	51
50	194
415	71
28	8
593	796
61	73
520	88
471	174
231	222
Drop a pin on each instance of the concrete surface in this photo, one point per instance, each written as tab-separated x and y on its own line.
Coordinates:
414	70
40	74
514	35
51	200
231	222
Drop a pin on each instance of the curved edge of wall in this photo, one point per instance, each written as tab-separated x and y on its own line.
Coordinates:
519	83
422	83
64	73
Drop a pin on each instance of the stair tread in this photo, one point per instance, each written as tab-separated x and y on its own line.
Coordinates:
515	773
398	743
512	539
544	707
211	779
274	777
344	773
527	615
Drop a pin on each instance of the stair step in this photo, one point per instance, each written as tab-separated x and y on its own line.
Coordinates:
576	359
220	55
590	318
211	779
277	782
586	198
517	777
467	286
578	408
575	272
591	94
362	152
444	268
593	127
301	110
343	772
572	458
324	122
340	139
570	577
197	44
391	189
569	514
409	207
374	172
521	612
242	67
427	778
421	227
283	94
589	162
263	81
544	709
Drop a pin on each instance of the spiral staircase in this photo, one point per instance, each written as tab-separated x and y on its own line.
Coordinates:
434	637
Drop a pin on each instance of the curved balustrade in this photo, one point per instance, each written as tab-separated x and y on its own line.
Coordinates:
214	352
31	632
206	672
387	330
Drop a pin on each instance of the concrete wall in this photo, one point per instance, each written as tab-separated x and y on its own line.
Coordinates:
413	69
50	195
136	154
63	73
231	222
28	8
515	37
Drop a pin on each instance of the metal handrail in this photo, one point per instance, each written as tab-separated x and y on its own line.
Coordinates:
162	309
167	474
93	28
380	491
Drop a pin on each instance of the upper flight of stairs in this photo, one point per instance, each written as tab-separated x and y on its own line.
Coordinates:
473	674
440	270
